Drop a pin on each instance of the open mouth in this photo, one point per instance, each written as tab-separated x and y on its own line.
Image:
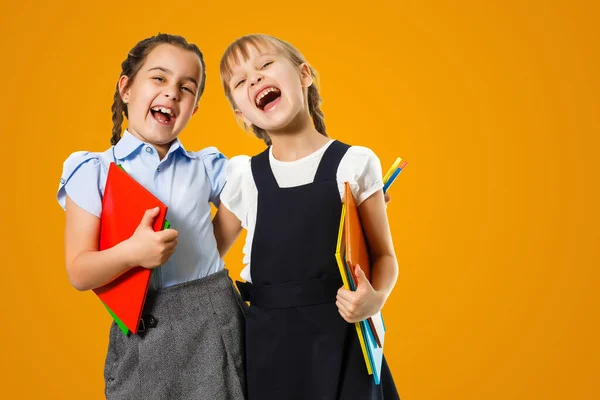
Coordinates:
267	98
164	115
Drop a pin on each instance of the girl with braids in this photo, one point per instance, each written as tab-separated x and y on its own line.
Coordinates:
191	340
299	343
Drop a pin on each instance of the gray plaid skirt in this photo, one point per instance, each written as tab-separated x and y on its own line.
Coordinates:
191	346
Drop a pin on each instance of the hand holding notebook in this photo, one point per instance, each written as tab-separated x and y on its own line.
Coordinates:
363	302
152	249
124	205
352	255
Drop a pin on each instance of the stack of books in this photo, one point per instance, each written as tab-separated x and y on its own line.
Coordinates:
352	249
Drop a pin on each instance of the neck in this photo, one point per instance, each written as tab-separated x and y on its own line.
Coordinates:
297	140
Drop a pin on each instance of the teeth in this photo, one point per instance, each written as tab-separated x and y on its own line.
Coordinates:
162	110
264	93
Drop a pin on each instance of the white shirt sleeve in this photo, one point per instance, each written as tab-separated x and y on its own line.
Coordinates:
361	168
240	192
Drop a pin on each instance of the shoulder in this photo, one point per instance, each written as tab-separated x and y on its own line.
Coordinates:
360	153
361	168
213	161
238	163
81	161
83	179
240	190
357	161
209	153
238	171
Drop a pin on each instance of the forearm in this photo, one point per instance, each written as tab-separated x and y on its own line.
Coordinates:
226	229
93	269
384	275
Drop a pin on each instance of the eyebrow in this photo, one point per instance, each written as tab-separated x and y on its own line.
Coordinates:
168	71
261	55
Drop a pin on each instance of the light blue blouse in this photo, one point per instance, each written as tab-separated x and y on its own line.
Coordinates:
185	181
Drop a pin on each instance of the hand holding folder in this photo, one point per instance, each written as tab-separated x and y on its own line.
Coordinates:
124	203
352	249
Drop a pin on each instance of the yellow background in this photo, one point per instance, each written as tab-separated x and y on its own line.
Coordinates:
493	103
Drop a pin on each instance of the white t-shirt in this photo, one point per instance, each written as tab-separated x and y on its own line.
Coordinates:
360	167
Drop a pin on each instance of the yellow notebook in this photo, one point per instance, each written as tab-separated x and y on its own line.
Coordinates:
340	255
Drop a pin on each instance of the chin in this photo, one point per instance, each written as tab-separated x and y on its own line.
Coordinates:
277	122
162	137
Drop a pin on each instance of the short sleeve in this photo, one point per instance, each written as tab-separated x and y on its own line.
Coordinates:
83	179
215	164
240	190
362	169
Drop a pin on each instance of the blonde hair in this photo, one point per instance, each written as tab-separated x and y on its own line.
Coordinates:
240	48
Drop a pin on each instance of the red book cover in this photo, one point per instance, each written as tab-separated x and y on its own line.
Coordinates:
123	206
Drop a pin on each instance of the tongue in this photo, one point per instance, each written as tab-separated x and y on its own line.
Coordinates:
160	117
271	104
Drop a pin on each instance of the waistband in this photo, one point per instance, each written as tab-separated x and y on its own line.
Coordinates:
292	294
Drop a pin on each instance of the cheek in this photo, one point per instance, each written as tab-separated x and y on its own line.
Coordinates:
189	105
243	104
139	98
294	88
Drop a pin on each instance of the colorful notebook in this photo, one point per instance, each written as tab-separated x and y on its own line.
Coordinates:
124	203
340	256
352	249
357	251
374	348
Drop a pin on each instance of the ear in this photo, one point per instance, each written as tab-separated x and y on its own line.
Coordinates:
196	108
305	76
240	115
124	93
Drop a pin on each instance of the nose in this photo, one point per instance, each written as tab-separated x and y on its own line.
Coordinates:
255	79
171	92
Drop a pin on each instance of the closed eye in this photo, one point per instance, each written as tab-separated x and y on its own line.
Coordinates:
188	89
265	65
240	83
159	78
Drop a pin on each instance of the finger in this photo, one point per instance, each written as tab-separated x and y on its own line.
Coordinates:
167	234
347	306
170	246
171	251
168	252
148	217
360	277
345	294
345	316
171	240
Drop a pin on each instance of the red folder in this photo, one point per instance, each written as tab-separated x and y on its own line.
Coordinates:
123	207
